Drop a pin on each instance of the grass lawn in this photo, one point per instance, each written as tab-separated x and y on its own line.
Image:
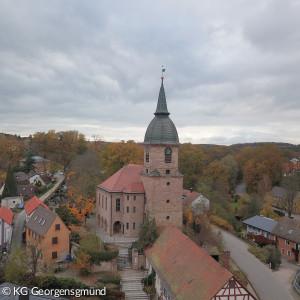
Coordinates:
90	241
234	205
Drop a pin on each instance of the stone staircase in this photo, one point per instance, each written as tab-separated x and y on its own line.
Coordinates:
132	286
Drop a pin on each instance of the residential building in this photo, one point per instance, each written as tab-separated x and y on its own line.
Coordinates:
32	205
41	164
27	191
6	217
287	235
48	234
259	229
197	201
12	202
185	271
156	187
279	195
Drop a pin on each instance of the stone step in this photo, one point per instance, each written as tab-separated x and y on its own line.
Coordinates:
132	278
132	288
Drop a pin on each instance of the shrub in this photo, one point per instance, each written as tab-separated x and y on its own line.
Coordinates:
221	222
273	256
104	255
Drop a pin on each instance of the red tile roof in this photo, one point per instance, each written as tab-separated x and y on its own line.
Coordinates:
32	204
186	269
6	215
126	180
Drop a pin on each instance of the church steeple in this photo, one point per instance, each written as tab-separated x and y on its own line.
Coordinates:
162	108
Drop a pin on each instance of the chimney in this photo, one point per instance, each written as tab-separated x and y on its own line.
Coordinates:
226	259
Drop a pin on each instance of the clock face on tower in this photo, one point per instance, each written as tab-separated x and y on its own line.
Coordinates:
168	151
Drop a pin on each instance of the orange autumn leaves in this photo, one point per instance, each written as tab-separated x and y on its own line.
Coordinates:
80	205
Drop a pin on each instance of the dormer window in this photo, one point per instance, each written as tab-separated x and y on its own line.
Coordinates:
147	154
168	155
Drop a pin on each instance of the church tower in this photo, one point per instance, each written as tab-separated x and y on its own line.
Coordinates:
162	181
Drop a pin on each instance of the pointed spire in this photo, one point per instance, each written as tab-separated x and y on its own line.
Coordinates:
162	108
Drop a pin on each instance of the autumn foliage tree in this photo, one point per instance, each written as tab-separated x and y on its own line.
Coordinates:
114	156
192	162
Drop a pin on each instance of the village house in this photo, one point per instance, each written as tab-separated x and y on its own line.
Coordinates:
185	271
12	202
32	205
48	234
259	229
197	201
41	164
27	191
279	196
6	217
287	236
155	187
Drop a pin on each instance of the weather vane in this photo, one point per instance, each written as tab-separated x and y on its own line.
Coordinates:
162	72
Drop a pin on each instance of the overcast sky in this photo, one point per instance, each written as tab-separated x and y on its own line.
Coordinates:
232	68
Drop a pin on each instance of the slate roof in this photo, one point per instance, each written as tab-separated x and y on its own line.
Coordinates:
32	204
280	192
187	271
23	176
262	223
288	229
126	180
24	190
41	220
6	215
36	158
161	129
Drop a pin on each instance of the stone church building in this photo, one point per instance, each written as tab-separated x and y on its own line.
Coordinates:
123	199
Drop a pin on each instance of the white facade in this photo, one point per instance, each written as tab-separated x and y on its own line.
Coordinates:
11	202
5	233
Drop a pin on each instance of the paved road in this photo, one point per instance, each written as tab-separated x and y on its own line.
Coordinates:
19	222
261	277
240	189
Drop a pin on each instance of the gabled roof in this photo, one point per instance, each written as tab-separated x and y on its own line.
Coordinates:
280	192
27	189
190	198
288	229
6	215
186	269
262	223
41	220
32	204
126	180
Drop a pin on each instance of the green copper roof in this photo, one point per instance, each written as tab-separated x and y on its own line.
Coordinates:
161	129
162	102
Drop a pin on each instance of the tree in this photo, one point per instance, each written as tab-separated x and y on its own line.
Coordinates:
292	185
66	215
192	162
233	169
147	235
10	188
83	263
114	156
274	256
217	174
28	163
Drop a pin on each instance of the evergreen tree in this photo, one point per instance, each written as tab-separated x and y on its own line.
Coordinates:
10	188
147	235
29	163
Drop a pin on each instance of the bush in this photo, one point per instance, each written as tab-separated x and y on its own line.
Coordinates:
221	222
104	255
273	257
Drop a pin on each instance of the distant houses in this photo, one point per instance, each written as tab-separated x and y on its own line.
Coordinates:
279	196
41	164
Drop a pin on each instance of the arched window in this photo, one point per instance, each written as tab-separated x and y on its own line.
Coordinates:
147	154
168	155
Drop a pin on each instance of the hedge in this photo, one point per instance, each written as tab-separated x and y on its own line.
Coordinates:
103	255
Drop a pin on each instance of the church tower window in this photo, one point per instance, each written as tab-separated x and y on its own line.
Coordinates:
168	155
147	154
